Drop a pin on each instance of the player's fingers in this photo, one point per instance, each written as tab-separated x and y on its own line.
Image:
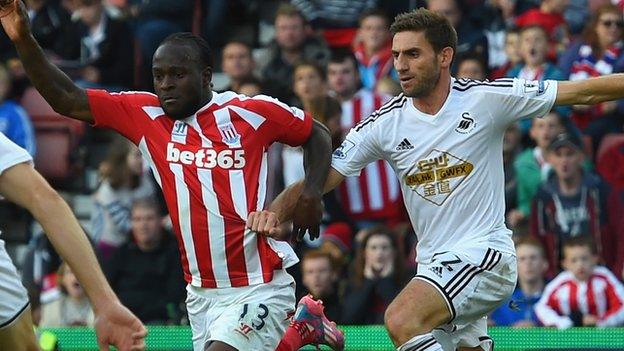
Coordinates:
250	219
270	223
103	346
276	232
300	232
262	224
138	347
254	225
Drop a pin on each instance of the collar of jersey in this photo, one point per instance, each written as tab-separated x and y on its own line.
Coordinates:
427	118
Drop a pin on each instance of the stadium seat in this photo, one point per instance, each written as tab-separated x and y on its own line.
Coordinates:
57	141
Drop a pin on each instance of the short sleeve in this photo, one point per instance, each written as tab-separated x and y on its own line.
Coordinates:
11	154
285	124
357	150
512	100
118	111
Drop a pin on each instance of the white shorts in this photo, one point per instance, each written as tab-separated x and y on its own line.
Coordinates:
473	282
13	296
247	318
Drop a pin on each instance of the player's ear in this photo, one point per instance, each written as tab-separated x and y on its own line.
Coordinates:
445	57
207	77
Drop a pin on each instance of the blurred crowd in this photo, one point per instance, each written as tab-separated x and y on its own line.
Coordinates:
564	171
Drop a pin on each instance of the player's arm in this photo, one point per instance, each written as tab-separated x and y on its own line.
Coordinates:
57	89
590	91
282	209
22	185
308	208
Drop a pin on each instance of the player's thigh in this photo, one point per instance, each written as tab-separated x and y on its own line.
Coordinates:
417	309
19	334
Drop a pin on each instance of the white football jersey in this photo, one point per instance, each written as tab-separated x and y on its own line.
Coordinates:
450	165
11	154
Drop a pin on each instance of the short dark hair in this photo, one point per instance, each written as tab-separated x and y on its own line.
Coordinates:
438	30
288	10
318	253
374	12
198	43
341	54
527	240
320	70
581	240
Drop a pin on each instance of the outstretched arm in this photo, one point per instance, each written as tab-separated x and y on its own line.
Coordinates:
590	91
57	89
116	325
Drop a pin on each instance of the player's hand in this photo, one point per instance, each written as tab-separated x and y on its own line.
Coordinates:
14	19
265	223
116	325
307	216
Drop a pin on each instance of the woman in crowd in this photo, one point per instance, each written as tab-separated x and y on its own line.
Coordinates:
376	278
123	181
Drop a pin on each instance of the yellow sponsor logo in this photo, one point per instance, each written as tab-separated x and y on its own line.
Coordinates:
459	170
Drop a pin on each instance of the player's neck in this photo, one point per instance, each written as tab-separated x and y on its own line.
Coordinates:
432	103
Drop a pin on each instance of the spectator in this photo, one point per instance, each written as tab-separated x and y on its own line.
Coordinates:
320	278
155	20
532	265
14	121
106	54
584	294
52	27
512	53
471	66
374	196
469	37
388	86
145	273
250	86
599	53
291	44
237	63
572	202
373	48
534	66
532	165
72	308
123	181
549	16
336	20
376	279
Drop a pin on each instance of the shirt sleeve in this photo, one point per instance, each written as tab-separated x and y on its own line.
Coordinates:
11	154
359	148
512	100
545	311
117	111
285	124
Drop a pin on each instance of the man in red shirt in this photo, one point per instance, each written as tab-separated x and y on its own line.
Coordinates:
208	153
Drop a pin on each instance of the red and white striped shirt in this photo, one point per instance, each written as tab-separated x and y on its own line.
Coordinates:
212	168
375	194
602	296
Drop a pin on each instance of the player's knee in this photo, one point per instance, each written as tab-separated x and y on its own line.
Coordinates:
402	327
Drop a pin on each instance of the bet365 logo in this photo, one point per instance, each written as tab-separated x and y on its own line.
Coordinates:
207	158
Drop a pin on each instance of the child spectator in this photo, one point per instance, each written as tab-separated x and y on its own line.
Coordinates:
532	166
471	66
373	50
549	16
584	294
512	51
377	278
319	277
250	86
572	202
72	308
532	265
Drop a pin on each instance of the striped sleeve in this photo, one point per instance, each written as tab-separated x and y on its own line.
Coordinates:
614	315
547	308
